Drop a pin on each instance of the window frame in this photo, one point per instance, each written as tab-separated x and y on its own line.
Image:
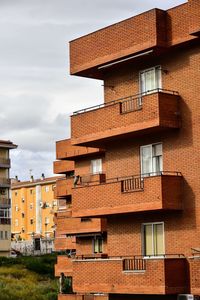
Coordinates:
92	166
159	75
143	239
97	239
152	173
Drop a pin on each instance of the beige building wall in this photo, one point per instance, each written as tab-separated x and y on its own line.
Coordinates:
33	208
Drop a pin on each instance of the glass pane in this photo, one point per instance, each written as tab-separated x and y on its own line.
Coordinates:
146	159
158	239
96	166
150	80
157	149
100	245
148	241
96	248
142	82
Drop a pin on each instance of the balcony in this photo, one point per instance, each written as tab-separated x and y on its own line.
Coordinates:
4	163
88	54
63	166
63	187
62	243
194	263
65	150
131	275
76	226
129	195
194	21
5	202
4	182
127	117
64	264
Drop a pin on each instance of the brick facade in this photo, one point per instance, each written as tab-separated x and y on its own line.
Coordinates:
129	119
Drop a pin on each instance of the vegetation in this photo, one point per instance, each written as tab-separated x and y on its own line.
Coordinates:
28	278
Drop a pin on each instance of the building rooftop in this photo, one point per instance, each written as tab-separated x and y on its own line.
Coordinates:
32	182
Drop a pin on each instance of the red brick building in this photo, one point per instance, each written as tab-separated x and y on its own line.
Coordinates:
133	212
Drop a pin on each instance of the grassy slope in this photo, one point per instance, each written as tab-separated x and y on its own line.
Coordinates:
28	278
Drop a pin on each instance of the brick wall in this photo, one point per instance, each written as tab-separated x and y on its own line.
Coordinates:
64	265
162	29
108	276
130	37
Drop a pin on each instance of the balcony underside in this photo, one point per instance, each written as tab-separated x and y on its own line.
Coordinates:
66	151
150	194
73	226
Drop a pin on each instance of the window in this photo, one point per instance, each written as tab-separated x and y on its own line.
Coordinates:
151	159
16	222
86	220
23	200
31	191
31	221
6	235
15	193
31	205
16	208
46	188
46	221
1	235
23	215
150	80
98	245
54	203
96	166
153	239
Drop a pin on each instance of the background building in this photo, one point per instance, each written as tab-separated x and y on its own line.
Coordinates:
33	208
146	181
5	202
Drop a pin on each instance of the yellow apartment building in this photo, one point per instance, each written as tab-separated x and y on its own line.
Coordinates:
5	202
33	208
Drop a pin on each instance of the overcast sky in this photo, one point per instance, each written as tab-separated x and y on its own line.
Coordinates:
36	92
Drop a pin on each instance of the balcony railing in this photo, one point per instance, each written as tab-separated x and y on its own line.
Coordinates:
132	184
5	162
5	202
128	183
5	221
4	182
134	264
129	103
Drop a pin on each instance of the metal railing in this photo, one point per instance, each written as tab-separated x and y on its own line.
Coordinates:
132	104
103	256
133	181
5	181
4	202
4	161
132	184
134	264
4	221
125	99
